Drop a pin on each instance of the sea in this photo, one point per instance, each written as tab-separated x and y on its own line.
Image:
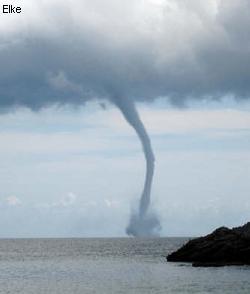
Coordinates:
109	265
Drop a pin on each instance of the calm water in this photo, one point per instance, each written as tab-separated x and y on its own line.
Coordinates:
108	266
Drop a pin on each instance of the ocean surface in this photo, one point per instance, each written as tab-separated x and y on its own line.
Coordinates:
108	266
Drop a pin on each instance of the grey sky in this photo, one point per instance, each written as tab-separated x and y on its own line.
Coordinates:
64	51
77	170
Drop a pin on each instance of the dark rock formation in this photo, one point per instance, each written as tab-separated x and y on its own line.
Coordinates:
223	247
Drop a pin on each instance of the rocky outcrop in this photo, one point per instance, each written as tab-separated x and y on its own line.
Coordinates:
223	247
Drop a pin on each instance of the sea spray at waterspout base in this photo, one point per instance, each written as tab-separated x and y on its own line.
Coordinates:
143	222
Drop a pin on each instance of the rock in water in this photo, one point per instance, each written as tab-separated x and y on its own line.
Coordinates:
223	247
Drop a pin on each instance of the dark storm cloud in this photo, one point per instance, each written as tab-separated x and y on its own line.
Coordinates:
179	49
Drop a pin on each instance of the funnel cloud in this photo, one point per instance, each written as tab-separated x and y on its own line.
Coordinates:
143	222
